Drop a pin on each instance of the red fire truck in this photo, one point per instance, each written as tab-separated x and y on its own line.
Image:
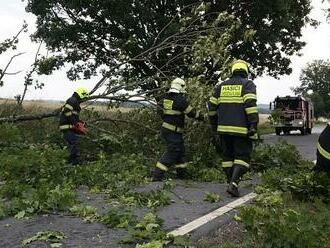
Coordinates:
292	113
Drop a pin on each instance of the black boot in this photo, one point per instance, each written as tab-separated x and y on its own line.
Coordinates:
233	189
73	160
228	171
157	175
181	173
238	172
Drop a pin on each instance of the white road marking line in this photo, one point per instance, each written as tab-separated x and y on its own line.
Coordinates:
211	216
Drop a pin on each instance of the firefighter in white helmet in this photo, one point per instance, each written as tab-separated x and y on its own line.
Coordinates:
174	107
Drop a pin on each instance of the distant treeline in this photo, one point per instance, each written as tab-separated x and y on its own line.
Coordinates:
263	109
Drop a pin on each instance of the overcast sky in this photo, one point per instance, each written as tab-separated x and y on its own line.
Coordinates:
58	87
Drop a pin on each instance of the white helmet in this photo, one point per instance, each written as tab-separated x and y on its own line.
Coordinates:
178	85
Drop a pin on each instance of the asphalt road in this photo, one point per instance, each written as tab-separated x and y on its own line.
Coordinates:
306	144
187	204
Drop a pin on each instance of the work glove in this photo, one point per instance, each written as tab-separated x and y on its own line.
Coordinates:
201	118
216	141
252	130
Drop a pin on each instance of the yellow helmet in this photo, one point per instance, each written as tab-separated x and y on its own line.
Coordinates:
240	65
179	85
82	93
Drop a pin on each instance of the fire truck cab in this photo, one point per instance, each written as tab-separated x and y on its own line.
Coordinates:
292	113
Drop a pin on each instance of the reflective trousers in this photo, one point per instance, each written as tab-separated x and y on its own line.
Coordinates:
235	150
72	139
175	149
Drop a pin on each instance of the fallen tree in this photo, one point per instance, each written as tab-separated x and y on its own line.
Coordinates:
33	117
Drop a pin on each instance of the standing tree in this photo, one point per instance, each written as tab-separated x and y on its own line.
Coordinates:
139	45
154	38
315	78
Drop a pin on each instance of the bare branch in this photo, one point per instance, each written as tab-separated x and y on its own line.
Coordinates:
29	75
3	73
13	73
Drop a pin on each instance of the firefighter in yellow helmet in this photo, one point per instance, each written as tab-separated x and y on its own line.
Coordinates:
233	114
323	151
174	106
70	124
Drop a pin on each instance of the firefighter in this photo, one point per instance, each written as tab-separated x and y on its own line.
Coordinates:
323	151
233	113
173	108
70	124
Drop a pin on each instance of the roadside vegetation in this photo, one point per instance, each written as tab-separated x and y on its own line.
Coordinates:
265	128
118	153
290	209
136	57
118	158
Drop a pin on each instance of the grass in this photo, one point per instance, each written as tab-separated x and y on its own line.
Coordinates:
37	106
265	128
43	183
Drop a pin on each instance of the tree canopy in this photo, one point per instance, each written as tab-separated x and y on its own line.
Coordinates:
315	83
159	37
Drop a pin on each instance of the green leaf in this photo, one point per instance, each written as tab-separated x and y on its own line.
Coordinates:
20	215
212	197
49	236
152	244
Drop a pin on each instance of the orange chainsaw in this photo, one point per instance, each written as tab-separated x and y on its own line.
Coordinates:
80	128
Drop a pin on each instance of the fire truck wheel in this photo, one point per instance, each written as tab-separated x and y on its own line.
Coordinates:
278	131
286	131
303	131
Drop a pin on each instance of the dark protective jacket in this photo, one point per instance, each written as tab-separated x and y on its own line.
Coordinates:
323	146
173	108
70	112
233	106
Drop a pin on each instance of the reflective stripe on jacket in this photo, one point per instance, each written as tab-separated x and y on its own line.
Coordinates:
323	146
70	113
174	108
233	106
